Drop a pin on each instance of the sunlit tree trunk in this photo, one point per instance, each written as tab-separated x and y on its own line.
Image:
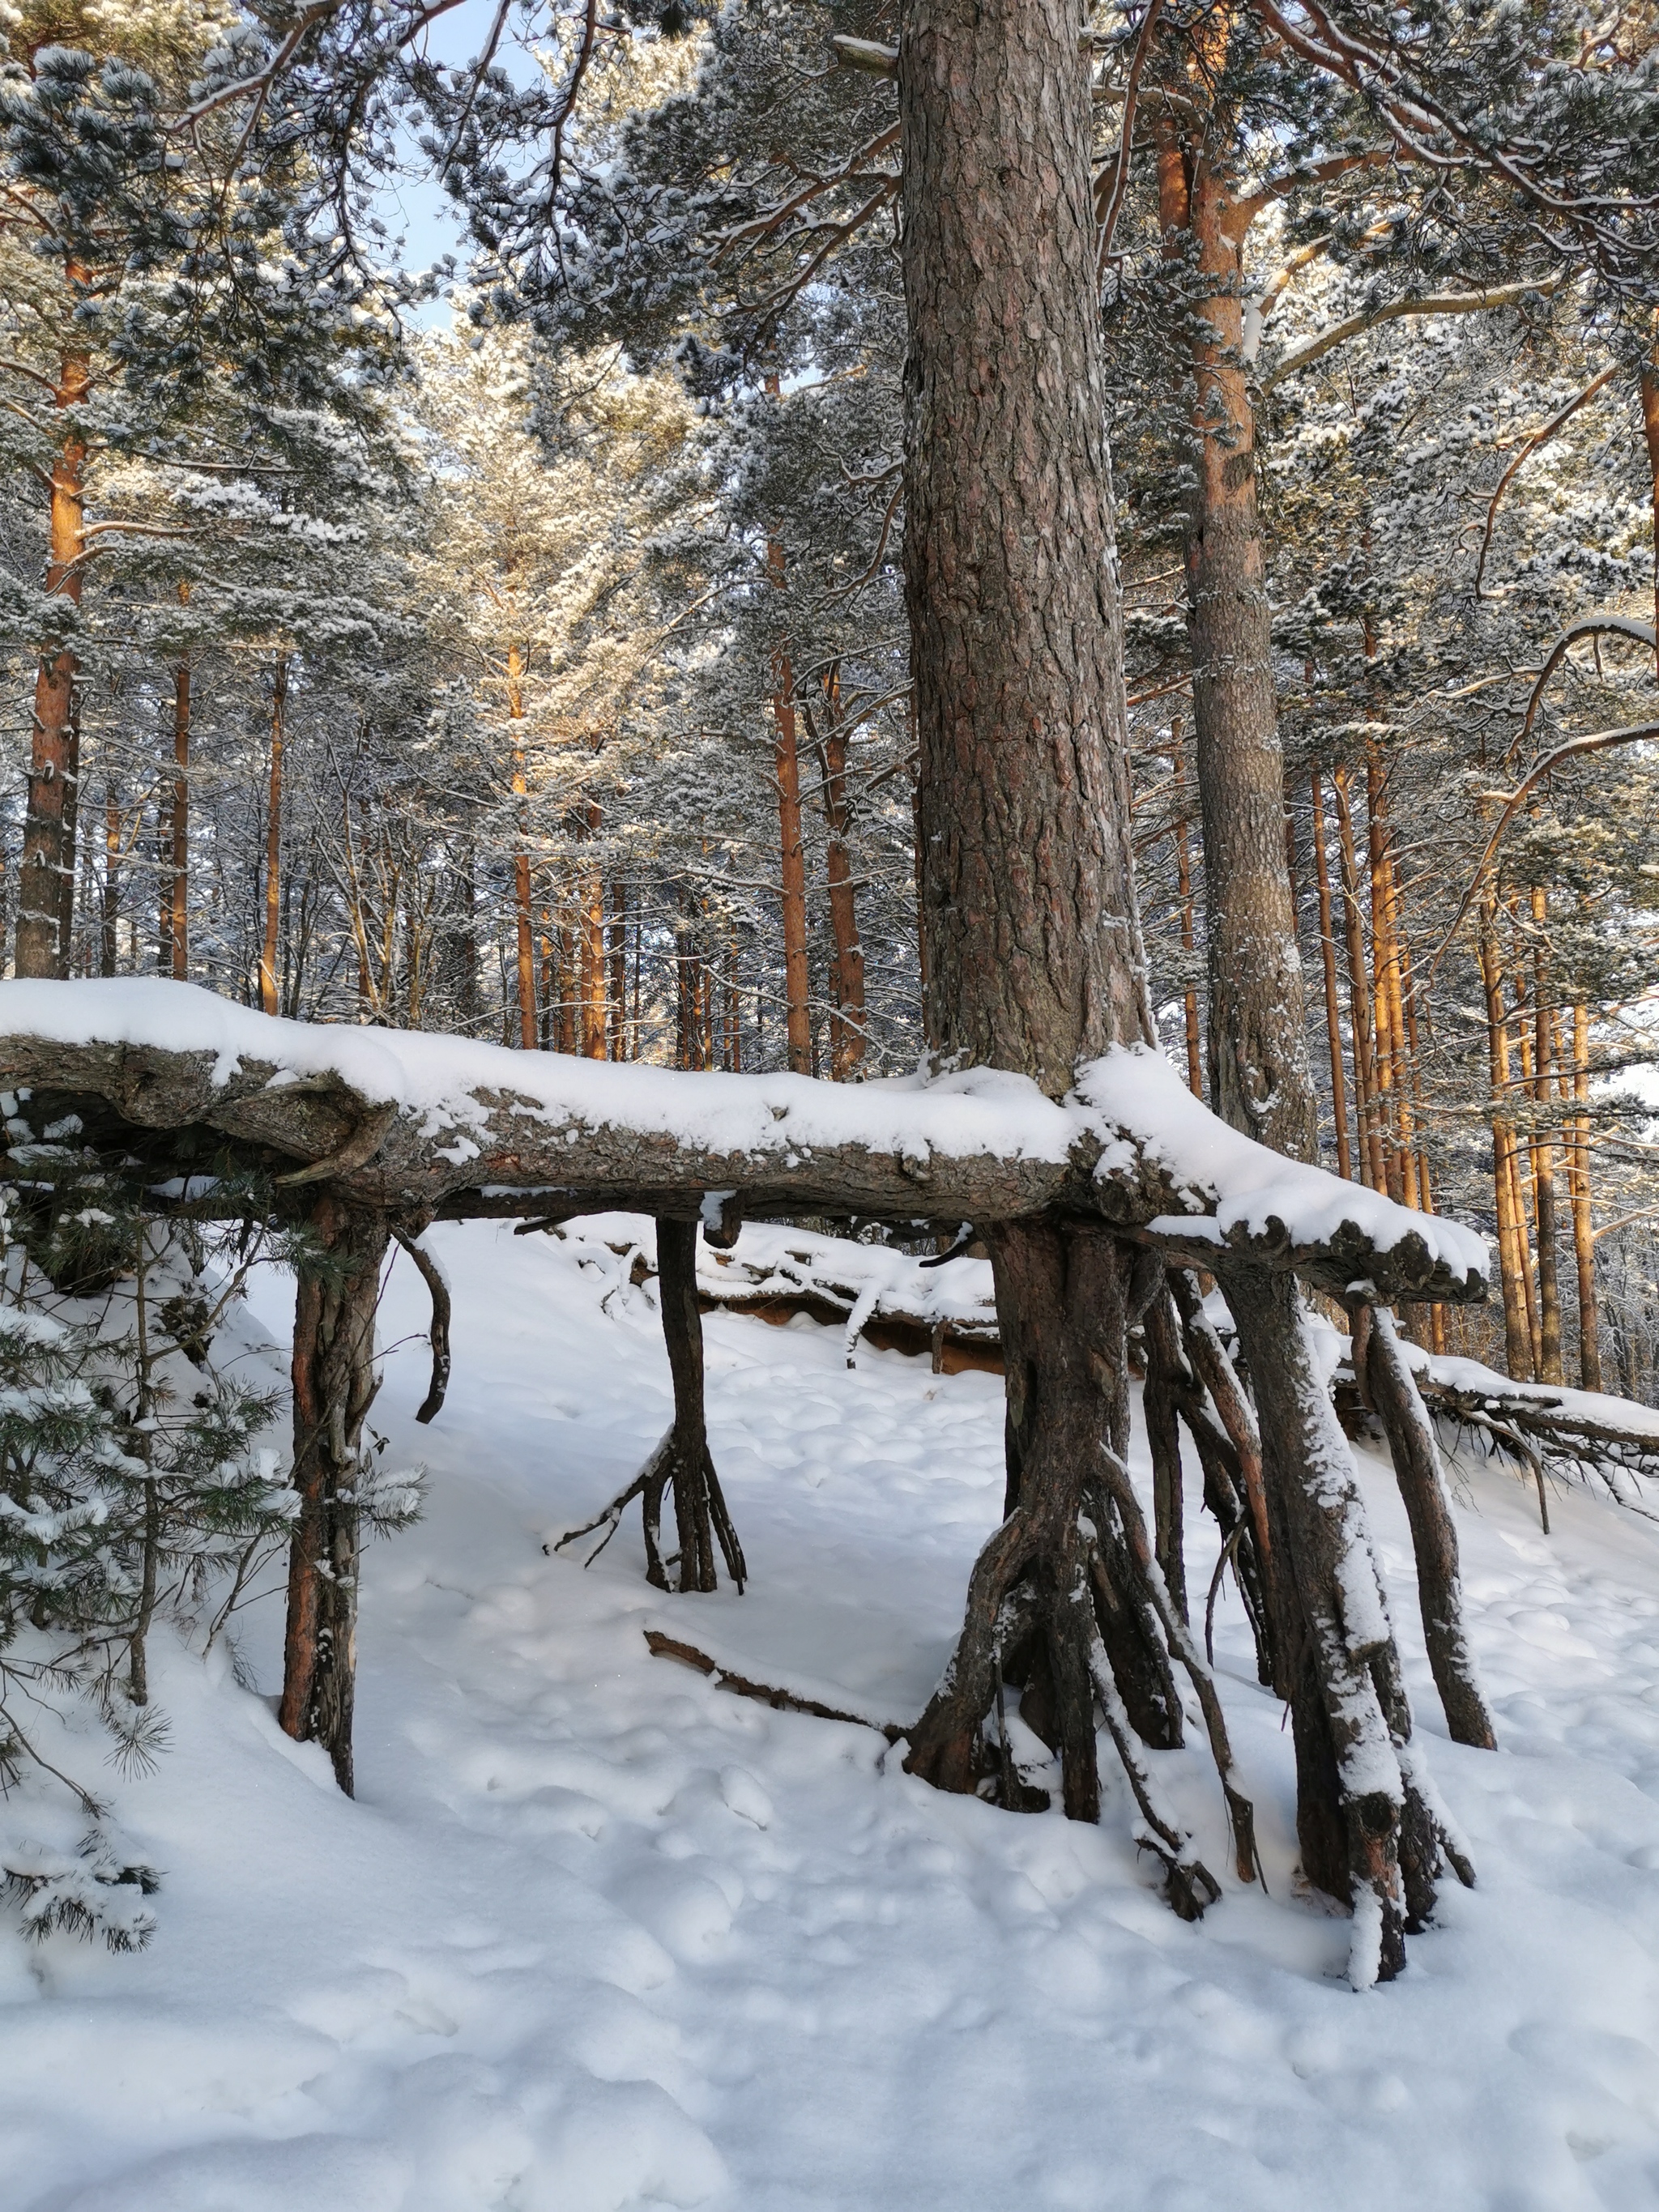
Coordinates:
46	879
590	946
268	1000
521	884
1583	1229
1259	1074
1550	1368
173	947
1327	956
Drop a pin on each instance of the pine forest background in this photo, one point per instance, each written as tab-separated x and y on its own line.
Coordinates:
535	668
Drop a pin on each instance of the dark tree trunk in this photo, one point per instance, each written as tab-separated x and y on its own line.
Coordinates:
334	1384
681	1467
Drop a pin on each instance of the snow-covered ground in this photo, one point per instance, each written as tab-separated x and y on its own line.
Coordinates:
597	1933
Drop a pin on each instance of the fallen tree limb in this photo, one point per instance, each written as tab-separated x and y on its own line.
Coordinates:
765	1693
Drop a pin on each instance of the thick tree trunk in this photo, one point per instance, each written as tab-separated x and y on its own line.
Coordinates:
274	838
1033	954
46	879
334	1384
1033	945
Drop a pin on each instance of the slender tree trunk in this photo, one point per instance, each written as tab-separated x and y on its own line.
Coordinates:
1385	992
792	844
1550	1367
521	884
1259	1074
334	1384
1583	1229
1327	955
1649	397
617	960
1523	1170
176	936
1359	996
173	956
268	1001
847	1039
109	948
46	878
592	923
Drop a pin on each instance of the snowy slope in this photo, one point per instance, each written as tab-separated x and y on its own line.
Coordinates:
597	1935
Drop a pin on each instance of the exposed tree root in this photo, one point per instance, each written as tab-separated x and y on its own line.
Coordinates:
334	1384
1370	1830
680	1467
1381	1368
1067	1597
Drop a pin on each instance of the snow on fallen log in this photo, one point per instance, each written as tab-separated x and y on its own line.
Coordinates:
867	1291
415	1124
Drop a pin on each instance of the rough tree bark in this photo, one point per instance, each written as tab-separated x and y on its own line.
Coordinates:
1259	1074
334	1384
1034	960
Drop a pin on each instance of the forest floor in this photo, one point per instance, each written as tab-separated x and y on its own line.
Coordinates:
597	1933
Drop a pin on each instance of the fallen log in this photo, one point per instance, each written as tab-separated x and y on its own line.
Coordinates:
209	1107
183	1084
